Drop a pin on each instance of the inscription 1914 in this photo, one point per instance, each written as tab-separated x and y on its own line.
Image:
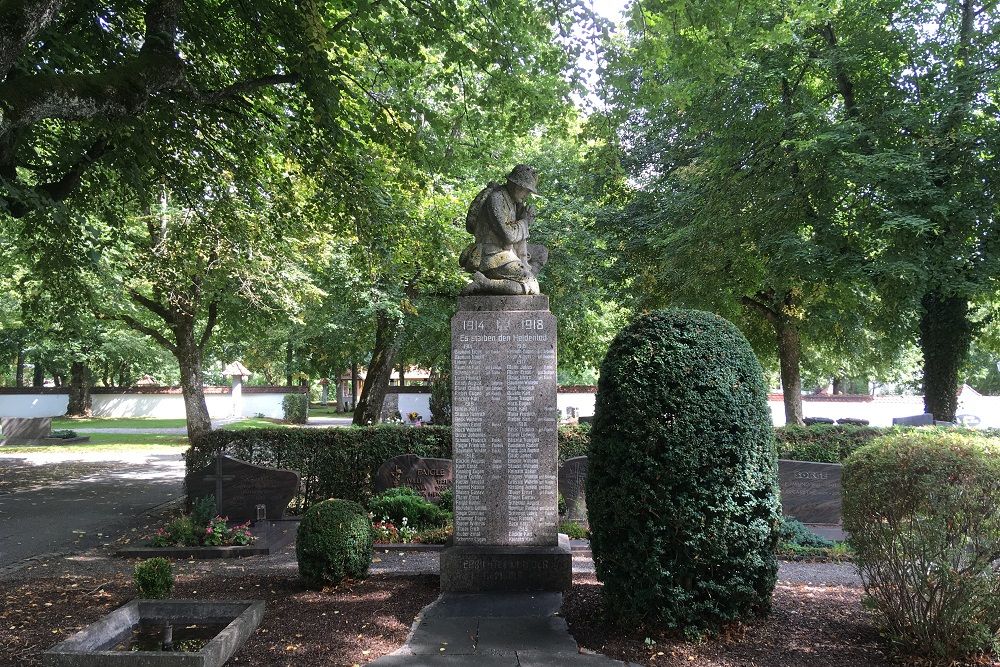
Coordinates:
504	427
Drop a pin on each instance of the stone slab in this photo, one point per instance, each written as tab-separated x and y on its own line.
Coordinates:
526	634
90	646
244	487
544	659
504	421
498	605
456	635
472	568
25	430
497	302
572	486
446	661
810	492
926	419
429	477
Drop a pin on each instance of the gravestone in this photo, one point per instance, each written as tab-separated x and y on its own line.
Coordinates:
810	492
429	477
243	487
926	419
813	421
25	430
504	439
572	486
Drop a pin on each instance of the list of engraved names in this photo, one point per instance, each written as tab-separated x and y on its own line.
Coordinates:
504	426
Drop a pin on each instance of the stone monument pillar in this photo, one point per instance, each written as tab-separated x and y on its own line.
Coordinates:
504	421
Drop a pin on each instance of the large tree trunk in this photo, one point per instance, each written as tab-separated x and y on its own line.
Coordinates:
387	342
945	337
189	361
354	384
789	355
19	368
79	391
288	363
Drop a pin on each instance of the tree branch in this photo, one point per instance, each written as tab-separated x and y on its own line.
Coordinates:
248	86
20	23
760	308
152	306
213	315
147	330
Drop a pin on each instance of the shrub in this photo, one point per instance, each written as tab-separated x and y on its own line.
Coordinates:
446	500
574	440
203	511
573	530
404	503
923	512
334	541
682	481
795	533
823	443
182	531
153	579
295	408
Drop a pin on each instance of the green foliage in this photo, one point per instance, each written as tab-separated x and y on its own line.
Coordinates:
435	535
180	531
574	440
203	510
334	462
154	579
682	484
574	530
923	512
334	541
403	502
63	434
446	500
295	408
441	400
794	532
825	443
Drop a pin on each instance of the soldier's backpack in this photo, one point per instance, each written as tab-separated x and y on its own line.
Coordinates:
477	205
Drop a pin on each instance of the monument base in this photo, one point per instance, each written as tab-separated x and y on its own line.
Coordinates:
473	568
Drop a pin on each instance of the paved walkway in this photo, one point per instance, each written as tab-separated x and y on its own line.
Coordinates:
492	629
57	503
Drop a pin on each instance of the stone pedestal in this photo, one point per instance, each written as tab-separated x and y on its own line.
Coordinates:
504	421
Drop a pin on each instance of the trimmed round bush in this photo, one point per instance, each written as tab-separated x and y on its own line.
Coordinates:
334	541
923	511
681	490
154	579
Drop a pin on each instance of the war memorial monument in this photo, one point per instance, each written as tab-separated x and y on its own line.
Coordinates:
504	415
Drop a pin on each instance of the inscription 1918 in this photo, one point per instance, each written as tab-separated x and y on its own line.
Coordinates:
504	427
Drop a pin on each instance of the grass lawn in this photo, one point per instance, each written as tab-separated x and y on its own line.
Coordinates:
253	422
317	410
108	442
116	422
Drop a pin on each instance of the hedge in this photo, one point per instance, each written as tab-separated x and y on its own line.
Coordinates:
342	462
833	444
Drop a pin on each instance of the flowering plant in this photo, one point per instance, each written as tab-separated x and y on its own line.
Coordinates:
184	532
414	416
384	531
406	532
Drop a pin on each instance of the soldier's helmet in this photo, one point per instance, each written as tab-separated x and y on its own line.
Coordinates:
525	176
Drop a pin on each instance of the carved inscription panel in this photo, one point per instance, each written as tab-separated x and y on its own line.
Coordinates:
504	427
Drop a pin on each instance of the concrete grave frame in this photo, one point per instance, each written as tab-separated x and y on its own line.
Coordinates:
91	646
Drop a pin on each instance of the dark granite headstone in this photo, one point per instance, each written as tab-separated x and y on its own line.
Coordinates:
244	486
572	486
852	421
812	421
25	430
810	492
926	419
430	477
